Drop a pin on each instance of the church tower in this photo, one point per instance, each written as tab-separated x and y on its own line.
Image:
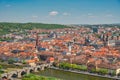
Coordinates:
37	42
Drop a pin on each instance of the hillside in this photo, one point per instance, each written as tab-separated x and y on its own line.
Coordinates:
6	28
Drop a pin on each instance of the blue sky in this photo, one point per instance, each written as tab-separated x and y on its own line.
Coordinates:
60	11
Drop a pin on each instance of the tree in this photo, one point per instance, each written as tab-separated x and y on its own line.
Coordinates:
1	67
11	61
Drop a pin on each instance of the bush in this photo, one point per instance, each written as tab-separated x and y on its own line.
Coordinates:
11	61
72	66
1	67
102	71
112	74
93	71
24	62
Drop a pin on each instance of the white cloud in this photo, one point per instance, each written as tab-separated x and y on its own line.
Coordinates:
109	15
92	16
66	14
89	14
53	13
8	5
34	16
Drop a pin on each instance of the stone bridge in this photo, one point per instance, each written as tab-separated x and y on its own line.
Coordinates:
26	70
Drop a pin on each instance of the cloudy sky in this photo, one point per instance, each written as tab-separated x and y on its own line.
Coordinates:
60	11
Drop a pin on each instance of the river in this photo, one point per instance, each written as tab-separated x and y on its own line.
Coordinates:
64	75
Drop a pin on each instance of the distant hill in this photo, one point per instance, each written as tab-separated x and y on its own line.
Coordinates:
6	28
97	25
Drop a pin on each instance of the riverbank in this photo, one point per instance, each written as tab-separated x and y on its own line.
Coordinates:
75	71
86	73
37	77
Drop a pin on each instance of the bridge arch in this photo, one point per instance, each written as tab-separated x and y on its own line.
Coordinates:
23	73
31	70
38	68
14	75
4	78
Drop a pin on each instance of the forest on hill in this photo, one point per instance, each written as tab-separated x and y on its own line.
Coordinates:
6	28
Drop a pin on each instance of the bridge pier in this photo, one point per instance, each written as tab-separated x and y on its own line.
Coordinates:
42	67
35	69
19	74
49	65
27	70
9	76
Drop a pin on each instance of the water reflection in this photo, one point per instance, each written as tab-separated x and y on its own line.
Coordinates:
68	75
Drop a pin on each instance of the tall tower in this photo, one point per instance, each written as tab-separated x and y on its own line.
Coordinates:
107	38
37	41
69	48
95	29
